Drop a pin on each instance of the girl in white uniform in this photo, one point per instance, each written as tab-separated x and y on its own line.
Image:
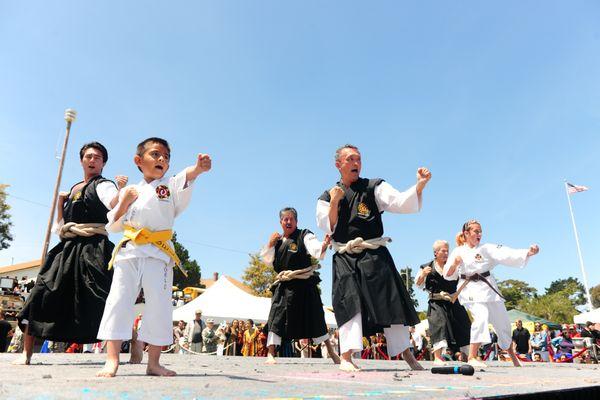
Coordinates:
471	262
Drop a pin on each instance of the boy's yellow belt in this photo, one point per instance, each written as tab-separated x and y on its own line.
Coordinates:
159	239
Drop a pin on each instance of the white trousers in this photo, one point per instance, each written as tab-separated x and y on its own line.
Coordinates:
487	313
275	339
156	278
396	336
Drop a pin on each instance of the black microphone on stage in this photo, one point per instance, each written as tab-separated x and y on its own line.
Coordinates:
463	369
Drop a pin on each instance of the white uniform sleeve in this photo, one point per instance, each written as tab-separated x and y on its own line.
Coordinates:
112	225
181	190
505	255
391	200
455	252
267	254
323	217
106	192
313	246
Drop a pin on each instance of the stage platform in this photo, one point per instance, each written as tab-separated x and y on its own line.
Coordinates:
72	376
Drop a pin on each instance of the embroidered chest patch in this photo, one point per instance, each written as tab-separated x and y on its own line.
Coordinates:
77	196
293	248
163	192
478	257
363	210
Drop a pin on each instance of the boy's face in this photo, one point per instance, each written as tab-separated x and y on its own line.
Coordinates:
154	162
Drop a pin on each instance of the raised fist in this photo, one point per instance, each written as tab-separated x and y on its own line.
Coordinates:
426	270
62	197
274	238
533	250
130	195
204	163
423	175
121	181
336	193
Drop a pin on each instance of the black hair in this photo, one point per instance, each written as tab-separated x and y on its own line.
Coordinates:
94	145
142	146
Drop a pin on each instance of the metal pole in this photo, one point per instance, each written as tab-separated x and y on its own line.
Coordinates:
70	116
585	283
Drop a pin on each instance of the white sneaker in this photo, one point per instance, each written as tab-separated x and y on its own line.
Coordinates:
475	363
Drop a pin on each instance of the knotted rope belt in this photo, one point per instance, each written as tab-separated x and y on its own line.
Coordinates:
441	296
358	245
159	239
72	229
289	275
474	278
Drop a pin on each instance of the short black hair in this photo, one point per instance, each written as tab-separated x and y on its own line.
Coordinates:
94	145
142	146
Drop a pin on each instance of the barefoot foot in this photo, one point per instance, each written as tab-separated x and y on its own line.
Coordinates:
270	360
348	366
159	370
109	370
22	360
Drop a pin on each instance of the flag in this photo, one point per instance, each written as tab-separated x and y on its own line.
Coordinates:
575	188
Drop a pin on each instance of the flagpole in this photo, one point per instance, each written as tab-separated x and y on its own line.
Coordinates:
585	283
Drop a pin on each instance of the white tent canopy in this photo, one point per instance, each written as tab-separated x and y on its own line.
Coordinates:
224	301
593	316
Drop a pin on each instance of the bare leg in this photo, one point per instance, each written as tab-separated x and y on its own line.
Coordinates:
113	348
137	352
25	358
154	367
331	351
412	362
271	355
346	363
473	361
513	357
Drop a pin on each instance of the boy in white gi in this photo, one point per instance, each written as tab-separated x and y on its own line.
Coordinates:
471	262
145	257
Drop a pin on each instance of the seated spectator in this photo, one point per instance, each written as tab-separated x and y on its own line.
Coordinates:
537	357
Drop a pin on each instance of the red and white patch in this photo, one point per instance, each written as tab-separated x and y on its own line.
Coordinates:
163	192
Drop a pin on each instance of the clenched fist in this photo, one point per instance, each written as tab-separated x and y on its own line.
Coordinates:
121	181
130	195
204	163
336	193
533	250
423	176
274	238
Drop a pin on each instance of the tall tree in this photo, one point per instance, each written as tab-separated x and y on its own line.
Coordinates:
259	276
409	281
5	223
570	287
595	293
552	307
515	292
190	266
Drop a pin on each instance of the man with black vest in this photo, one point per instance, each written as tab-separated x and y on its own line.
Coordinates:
296	307
368	294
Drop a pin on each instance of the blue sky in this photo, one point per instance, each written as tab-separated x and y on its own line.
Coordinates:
501	101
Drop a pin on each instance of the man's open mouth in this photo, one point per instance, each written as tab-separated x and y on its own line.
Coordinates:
355	170
159	167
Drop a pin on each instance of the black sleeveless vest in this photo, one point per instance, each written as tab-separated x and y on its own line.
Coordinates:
85	206
292	254
435	283
358	213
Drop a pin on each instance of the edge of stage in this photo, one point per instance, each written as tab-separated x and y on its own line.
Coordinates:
72	376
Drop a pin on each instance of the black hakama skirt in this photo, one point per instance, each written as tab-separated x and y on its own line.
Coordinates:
369	283
449	321
296	310
67	302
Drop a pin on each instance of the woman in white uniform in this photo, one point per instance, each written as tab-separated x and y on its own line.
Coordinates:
471	262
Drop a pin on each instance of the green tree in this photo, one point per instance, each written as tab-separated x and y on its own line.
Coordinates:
409	282
570	287
190	266
259	276
5	223
516	292
595	294
552	307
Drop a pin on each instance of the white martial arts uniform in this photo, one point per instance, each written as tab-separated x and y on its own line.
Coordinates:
145	266
313	247
485	305
394	201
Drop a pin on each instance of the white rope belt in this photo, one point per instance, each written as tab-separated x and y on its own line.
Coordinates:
358	245
289	275
72	229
